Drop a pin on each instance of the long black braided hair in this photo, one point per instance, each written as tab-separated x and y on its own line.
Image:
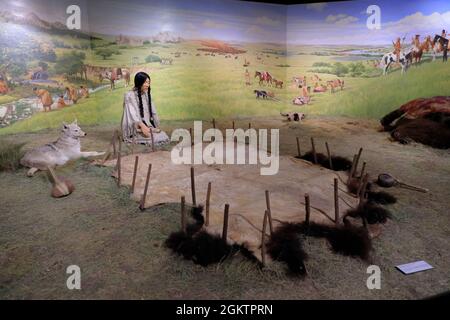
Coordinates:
139	80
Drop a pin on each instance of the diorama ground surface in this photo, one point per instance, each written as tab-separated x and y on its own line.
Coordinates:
121	252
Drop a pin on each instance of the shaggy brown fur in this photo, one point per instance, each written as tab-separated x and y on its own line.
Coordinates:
381	197
425	131
432	129
372	212
285	243
201	247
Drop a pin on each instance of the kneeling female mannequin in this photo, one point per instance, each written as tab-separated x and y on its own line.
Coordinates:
139	114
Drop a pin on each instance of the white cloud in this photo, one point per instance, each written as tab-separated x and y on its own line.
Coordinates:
341	19
315	32
316	6
267	21
434	22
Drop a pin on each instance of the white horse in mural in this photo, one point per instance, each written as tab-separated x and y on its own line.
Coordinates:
405	58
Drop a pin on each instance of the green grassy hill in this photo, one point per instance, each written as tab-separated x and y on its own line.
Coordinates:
206	87
375	97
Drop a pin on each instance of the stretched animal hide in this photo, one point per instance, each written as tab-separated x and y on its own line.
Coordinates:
339	163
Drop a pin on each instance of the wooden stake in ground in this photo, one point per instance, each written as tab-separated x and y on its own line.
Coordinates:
263	239
357	161
119	164
183	214
363	170
208	197
329	156
153	140
362	192
214	123
147	181
225	222
133	144
298	147
308	212
107	154
249	125
269	211
361	178
136	161
192	138
350	175
194	201
233	125
113	142
314	150
336	201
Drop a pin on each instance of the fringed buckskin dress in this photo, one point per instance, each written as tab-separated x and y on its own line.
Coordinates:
131	117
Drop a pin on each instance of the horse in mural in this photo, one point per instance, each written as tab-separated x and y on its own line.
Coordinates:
438	45
419	49
278	83
405	57
115	74
264	76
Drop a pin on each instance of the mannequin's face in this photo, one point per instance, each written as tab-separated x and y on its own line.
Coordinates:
146	85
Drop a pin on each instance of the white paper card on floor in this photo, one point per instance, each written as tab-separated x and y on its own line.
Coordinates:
414	267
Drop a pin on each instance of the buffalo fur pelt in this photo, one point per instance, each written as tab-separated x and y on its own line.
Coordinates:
339	163
285	243
372	212
201	247
425	131
380	197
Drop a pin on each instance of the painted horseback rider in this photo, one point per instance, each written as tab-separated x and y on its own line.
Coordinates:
416	43
397	48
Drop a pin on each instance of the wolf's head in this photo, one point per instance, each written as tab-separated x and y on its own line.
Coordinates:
72	130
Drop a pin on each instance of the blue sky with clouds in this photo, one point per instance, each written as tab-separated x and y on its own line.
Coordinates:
345	22
230	20
219	19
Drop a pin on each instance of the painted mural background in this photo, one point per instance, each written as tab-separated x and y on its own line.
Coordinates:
204	58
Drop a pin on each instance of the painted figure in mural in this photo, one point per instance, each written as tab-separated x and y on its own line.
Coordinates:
247	77
45	97
440	44
397	48
84	92
416	42
72	94
3	87
419	49
319	88
60	103
444	45
126	76
140	121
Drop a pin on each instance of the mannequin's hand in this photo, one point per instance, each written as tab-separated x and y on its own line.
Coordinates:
143	129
